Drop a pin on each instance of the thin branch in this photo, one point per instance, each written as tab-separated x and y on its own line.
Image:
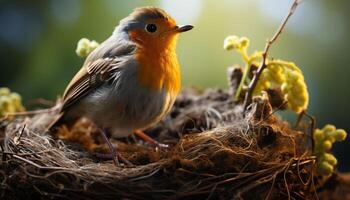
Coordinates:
253	83
312	129
312	126
55	108
23	154
41	101
37	165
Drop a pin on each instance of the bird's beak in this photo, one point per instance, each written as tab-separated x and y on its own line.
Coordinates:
184	28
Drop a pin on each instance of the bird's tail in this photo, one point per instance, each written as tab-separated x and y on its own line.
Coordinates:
57	116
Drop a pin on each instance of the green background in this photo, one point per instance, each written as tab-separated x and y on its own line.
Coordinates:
38	39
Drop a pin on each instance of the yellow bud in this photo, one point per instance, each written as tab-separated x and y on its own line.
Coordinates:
326	168
330	159
292	76
324	140
15	97
329	128
275	68
5	101
340	134
244	42
318	135
298	88
94	44
231	42
277	76
4	91
10	109
296	101
285	88
327	145
85	47
5	105
234	42
261	86
9	102
292	99
287	65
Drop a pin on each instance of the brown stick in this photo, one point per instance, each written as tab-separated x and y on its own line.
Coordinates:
312	129
252	85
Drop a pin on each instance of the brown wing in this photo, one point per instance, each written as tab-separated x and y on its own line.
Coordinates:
90	76
98	68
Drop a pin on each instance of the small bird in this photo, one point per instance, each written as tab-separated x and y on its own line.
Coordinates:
130	81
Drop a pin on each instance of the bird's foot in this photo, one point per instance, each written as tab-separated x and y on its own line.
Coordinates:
113	153
149	140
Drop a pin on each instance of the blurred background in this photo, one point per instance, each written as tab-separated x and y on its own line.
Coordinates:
38	41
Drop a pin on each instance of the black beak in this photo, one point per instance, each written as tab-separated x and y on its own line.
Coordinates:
184	28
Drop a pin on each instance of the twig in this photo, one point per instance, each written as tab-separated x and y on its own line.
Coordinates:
16	140
36	165
41	101
312	129
34	112
253	83
300	117
22	154
272	185
145	176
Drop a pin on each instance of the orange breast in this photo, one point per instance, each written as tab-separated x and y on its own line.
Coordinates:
158	68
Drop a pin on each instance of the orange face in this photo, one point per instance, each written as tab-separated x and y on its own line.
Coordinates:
158	34
158	65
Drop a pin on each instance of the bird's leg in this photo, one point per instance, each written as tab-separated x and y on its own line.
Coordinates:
113	153
148	139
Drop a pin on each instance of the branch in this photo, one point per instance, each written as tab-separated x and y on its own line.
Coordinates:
253	83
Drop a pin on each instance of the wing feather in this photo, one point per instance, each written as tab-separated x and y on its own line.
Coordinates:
98	68
87	79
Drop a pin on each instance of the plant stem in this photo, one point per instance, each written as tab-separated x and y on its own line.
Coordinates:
244	77
246	59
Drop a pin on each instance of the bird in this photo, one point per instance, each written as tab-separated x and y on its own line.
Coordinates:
131	80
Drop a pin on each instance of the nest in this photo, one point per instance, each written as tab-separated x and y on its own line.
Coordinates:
214	153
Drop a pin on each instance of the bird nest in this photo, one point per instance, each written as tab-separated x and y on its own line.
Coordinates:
214	153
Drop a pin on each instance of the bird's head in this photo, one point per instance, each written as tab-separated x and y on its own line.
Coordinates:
152	28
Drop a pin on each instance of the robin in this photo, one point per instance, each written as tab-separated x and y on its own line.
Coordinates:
130	81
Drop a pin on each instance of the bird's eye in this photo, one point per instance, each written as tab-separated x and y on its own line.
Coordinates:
151	28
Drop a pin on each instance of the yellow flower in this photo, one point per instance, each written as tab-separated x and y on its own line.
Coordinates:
9	102
288	77
324	139
235	42
278	74
85	47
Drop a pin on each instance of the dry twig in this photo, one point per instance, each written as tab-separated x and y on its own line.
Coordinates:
253	83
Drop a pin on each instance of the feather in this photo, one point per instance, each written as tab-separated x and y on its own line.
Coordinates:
99	67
